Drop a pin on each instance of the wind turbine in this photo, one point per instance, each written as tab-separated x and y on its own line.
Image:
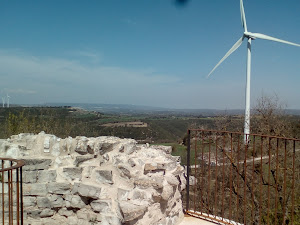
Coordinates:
8	100
250	36
3	102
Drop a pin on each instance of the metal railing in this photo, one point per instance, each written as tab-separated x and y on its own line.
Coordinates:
232	182
11	191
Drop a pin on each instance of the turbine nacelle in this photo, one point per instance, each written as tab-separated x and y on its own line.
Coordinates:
249	35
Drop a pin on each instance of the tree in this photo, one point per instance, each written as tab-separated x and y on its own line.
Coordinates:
269	117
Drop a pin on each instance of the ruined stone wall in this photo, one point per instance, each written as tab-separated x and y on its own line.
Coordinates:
103	180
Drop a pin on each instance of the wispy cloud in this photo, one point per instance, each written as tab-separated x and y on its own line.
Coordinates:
60	79
68	80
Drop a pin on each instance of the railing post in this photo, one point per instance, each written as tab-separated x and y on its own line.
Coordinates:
21	194
13	196
188	171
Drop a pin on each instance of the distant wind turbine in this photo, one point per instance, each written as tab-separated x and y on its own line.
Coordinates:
8	100
3	102
250	36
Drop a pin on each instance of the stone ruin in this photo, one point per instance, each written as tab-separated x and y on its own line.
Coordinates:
102	180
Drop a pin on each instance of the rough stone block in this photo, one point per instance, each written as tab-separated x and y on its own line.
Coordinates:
56	201
168	191
65	212
74	201
138	194
35	189
109	219
166	149
100	206
46	176
156	183
81	147
47	144
172	180
86	190
73	172
59	188
178	171
29	176
34	213
72	220
81	159
47	213
150	166
106	147
104	176
124	171
43	202
153	168
36	164
122	194
167	165
29	201
131	211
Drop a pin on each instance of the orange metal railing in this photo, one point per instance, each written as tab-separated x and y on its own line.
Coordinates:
11	191
233	182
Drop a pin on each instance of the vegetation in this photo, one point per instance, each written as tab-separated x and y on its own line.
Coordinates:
67	121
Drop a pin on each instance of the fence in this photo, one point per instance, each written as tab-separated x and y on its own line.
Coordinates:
11	191
232	182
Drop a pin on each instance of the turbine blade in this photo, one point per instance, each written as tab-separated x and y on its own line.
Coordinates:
233	48
243	16
269	38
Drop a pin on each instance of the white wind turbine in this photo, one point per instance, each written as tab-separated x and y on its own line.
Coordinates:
3	102
8	100
250	36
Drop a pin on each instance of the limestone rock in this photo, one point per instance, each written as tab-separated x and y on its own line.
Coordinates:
74	201
86	190
59	188
131	211
56	201
104	176
35	189
36	164
81	159
102	206
43	202
106	147
30	176
73	172
65	212
81	147
46	176
150	182
29	201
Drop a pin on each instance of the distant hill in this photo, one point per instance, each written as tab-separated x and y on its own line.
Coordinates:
150	110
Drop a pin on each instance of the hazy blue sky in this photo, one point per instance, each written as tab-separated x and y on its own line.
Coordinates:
146	52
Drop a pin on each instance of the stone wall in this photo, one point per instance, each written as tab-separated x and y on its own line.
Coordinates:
103	180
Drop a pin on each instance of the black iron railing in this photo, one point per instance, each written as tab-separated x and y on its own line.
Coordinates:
11	191
233	182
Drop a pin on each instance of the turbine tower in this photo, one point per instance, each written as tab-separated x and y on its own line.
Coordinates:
3	102
250	36
8	100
